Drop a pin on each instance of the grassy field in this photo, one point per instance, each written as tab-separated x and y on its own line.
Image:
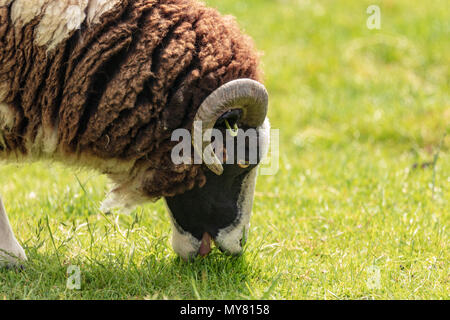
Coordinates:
358	210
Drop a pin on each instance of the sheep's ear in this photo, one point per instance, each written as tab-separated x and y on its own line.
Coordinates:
246	95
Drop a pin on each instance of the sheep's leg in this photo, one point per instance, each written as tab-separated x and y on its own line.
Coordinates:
11	253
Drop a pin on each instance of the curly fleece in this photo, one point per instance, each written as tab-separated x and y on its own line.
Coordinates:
118	88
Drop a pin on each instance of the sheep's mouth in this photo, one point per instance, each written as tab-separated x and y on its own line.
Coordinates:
205	245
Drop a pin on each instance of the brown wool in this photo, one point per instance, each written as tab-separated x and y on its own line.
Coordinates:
117	89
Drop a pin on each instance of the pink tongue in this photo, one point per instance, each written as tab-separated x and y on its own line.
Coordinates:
205	247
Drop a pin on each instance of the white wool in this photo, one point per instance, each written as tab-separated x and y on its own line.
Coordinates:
5	2
7	117
127	193
44	144
97	8
50	140
60	17
23	11
59	20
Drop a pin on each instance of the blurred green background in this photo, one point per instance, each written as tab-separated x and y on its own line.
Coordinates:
358	210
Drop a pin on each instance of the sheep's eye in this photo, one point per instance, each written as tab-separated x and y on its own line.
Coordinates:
243	164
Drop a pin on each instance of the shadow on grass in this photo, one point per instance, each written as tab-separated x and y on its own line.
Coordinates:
216	277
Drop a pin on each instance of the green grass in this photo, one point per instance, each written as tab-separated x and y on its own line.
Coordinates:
364	176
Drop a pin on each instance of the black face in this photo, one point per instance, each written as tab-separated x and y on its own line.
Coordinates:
215	206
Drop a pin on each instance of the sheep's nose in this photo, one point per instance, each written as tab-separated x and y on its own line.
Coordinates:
205	246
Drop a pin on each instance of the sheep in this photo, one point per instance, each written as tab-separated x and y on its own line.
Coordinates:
103	84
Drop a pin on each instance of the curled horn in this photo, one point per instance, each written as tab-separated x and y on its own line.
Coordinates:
244	94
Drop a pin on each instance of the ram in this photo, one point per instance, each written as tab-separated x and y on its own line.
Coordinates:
104	84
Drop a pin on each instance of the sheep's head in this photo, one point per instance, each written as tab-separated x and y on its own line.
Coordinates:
221	209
